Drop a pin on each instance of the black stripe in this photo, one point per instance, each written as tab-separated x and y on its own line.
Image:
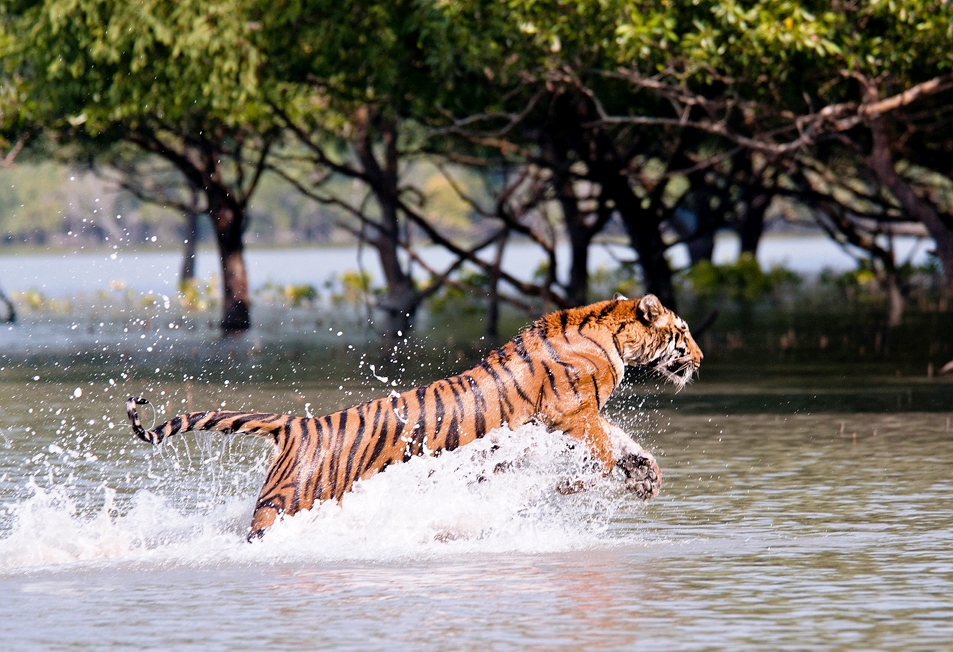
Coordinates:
453	429
382	436
500	390
615	377
552	380
318	433
439	413
175	425
283	434
516	384
401	421
358	438
573	378
521	351
420	430
335	466
376	407
479	406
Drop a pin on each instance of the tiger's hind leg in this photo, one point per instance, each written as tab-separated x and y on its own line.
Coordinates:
293	481
264	517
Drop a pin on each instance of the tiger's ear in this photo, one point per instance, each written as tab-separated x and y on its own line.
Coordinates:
650	308
618	296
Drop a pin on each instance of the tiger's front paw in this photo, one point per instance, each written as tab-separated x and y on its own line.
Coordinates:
642	474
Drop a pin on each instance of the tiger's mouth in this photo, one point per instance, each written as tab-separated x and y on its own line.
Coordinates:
679	371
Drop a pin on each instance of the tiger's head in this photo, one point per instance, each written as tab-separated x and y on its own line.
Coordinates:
652	336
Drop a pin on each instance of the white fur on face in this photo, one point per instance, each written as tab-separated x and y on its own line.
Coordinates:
675	363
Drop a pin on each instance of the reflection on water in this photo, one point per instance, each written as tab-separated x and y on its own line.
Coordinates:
774	529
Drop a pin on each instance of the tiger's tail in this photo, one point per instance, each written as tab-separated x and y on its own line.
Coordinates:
267	425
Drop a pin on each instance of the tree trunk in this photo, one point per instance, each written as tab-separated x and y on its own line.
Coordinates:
492	327
751	226
894	300
606	169
563	133
400	304
646	238
188	255
700	236
11	316
647	241
577	292
228	219
880	161
579	238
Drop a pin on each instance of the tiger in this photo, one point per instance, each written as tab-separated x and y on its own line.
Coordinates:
558	372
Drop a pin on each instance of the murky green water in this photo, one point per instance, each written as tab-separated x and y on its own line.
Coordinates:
801	510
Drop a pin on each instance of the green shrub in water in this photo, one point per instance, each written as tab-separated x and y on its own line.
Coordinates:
354	288
742	281
195	296
299	295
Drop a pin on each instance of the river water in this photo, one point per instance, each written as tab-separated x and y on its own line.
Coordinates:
806	511
156	270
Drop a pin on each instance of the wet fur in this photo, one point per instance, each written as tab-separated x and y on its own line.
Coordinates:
560	371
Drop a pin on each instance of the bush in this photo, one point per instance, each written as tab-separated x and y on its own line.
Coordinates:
299	295
353	288
743	281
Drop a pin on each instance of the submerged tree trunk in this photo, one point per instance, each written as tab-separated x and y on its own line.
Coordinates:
228	219
213	162
698	232
562	135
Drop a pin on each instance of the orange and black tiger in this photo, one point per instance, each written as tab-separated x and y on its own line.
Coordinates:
560	371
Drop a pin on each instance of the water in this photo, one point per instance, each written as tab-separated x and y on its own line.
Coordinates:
68	273
821	526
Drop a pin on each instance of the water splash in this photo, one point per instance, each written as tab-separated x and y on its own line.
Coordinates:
498	494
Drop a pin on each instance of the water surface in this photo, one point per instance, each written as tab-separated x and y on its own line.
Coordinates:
822	524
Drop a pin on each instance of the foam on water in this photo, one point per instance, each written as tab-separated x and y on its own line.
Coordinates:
495	495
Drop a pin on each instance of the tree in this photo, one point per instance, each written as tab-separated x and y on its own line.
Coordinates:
176	79
352	81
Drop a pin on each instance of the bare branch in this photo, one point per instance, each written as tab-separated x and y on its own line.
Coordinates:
7	161
513	119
